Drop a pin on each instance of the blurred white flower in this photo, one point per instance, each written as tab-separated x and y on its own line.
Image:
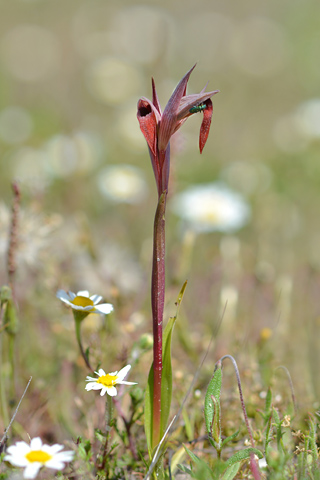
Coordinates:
68	155
308	118
81	301
37	455
106	381
112	81
211	207
122	184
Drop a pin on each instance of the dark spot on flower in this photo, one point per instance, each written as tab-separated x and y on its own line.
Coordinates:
144	110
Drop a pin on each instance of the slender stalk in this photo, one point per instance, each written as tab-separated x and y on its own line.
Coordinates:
244	411
108	416
78	321
157	302
11	255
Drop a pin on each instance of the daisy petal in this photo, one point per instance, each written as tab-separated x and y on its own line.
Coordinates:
103	391
127	383
112	391
104	308
83	293
123	373
31	471
36	443
63	296
93	386
53	449
53	463
16	461
96	298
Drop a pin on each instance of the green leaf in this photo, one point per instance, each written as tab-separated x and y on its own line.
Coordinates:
187	424
184	469
230	438
231	471
166	381
212	405
243	455
201	465
148	411
268	402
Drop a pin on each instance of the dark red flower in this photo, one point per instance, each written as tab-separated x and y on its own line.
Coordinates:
158	127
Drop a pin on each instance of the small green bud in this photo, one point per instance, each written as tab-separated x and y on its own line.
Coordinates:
146	341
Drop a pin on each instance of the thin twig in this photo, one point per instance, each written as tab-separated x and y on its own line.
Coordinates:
3	439
246	419
294	401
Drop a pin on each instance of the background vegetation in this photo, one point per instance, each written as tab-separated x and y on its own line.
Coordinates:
71	73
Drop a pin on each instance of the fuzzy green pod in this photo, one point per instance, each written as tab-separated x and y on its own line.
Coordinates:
212	406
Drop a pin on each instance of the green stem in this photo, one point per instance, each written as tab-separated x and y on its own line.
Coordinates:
4	403
12	365
108	417
78	321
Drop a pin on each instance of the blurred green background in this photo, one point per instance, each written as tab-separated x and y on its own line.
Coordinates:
71	73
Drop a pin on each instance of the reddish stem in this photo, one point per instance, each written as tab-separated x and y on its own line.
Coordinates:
157	303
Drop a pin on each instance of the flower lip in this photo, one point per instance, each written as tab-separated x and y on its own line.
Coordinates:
37	455
82	301
106	381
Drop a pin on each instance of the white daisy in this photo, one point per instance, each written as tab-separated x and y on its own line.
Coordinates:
211	207
37	455
81	301
107	381
122	184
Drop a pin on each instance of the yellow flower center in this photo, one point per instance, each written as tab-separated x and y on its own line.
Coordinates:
82	302
209	216
108	380
38	456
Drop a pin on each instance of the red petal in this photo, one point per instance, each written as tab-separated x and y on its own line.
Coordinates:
148	123
169	116
155	99
205	125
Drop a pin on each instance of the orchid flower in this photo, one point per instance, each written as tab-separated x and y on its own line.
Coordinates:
158	127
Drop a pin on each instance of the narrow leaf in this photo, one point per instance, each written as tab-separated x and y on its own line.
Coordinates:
210	407
177	458
148	411
200	464
231	471
243	455
166	383
230	438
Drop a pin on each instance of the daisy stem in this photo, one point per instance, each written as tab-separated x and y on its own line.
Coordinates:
157	302
108	417
78	335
